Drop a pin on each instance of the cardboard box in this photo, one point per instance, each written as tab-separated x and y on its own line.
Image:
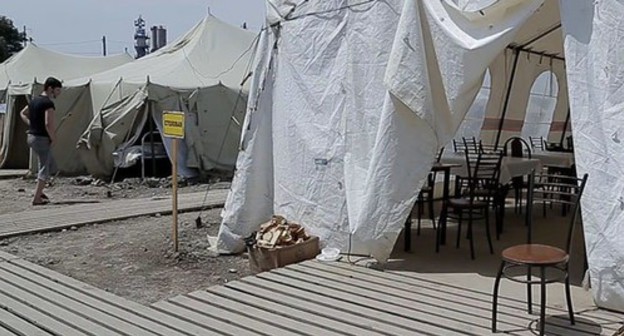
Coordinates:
265	259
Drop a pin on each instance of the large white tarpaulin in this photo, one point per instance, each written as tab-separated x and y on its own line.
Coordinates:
354	98
353	153
594	32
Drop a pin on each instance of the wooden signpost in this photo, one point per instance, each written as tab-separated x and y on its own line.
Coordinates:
173	127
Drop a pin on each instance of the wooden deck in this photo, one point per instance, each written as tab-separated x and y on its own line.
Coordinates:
314	298
12	173
49	219
311	298
37	301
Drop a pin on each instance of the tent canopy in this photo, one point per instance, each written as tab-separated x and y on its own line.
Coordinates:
23	75
35	63
202	73
357	97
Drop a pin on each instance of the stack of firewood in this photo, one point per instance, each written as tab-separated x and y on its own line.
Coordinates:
278	232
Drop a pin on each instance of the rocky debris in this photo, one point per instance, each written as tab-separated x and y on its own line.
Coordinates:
152	182
49	261
83	181
133	181
98	183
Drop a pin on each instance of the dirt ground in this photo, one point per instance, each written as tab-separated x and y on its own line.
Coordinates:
16	194
132	258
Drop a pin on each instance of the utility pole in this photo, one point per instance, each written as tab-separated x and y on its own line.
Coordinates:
25	37
104	45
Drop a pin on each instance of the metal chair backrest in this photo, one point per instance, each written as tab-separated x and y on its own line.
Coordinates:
516	147
559	189
457	146
439	154
569	143
483	170
537	143
471	145
486	148
466	144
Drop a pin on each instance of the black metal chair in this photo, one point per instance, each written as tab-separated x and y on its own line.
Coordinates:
569	144
487	148
537	143
517	147
426	195
470	144
481	188
530	255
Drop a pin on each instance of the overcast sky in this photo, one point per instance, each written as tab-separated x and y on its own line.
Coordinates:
77	26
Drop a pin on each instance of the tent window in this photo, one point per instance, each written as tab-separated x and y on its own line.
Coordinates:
541	106
472	123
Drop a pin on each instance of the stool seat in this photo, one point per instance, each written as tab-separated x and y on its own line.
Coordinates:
535	254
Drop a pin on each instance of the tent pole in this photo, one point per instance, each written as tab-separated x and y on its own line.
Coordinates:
151	130
507	96
541	36
565	128
533	52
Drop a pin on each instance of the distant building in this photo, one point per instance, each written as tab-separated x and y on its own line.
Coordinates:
159	37
140	38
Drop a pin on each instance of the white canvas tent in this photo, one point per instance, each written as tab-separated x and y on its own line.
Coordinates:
350	101
202	74
21	76
34	64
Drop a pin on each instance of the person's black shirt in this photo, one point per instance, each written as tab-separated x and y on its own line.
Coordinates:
36	115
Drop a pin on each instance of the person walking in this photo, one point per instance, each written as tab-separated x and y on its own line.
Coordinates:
39	116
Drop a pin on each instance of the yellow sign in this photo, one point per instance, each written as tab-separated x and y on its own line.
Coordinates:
173	124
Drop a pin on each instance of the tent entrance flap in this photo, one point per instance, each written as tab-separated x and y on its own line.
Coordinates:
14	153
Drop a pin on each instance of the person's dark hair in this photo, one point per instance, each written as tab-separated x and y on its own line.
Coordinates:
52	82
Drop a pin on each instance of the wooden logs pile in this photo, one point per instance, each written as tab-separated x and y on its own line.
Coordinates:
278	232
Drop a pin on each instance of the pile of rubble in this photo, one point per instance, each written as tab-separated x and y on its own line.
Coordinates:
278	232
132	183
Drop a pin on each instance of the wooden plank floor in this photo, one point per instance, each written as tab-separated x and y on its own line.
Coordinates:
37	301
12	173
310	298
50	219
315	298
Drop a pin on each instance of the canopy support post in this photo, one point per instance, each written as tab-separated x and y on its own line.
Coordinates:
507	96
565	128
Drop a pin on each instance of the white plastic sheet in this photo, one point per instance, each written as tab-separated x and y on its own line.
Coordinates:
345	126
593	34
